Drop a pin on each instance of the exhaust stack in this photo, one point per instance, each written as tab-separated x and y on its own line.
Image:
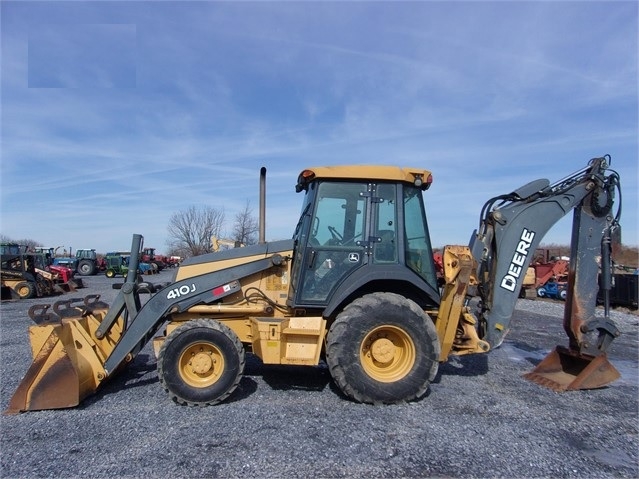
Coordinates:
262	225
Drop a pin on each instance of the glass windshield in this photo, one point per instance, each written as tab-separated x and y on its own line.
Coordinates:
339	216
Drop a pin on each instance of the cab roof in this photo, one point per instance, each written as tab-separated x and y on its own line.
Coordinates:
414	176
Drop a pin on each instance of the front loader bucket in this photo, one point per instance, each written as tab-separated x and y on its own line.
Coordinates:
68	361
566	370
76	283
61	288
8	293
51	381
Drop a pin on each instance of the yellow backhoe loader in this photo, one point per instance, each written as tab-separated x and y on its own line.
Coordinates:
355	287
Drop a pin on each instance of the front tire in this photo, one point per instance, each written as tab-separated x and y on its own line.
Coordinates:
201	363
25	290
383	349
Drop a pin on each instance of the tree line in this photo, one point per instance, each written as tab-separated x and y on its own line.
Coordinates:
191	232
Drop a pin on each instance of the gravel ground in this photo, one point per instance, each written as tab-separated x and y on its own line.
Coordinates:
479	419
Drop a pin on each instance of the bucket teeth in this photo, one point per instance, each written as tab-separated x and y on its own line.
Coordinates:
39	314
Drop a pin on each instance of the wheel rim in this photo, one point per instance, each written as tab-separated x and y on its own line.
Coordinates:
387	353
24	291
201	364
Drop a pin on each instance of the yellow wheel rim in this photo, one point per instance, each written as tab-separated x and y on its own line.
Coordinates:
387	354
201	365
23	291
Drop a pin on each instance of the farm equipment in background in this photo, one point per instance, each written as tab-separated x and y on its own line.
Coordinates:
174	261
219	244
85	262
19	275
157	261
61	276
624	287
544	268
117	263
355	286
553	289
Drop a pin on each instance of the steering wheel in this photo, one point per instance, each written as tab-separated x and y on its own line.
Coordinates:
351	241
335	234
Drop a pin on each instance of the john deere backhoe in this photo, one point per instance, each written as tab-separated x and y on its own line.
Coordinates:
355	286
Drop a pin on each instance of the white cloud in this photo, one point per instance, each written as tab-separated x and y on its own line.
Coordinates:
487	95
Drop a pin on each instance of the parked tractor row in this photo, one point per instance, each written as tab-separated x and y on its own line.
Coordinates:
27	275
117	262
85	262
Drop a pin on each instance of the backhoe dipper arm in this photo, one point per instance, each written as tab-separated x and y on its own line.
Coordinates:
510	232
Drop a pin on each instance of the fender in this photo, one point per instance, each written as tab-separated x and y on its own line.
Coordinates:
420	291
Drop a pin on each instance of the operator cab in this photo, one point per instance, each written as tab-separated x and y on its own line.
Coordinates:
354	233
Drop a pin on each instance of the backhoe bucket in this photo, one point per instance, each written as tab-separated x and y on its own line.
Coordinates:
68	360
566	370
8	293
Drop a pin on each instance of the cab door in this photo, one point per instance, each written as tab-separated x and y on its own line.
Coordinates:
337	240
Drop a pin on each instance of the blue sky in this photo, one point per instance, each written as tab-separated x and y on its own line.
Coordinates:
116	115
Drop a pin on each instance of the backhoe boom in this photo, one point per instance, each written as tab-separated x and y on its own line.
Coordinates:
511	231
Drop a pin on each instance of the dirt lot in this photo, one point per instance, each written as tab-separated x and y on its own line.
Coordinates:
479	419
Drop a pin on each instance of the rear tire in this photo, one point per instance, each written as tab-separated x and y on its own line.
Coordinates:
86	268
383	349
109	273
201	363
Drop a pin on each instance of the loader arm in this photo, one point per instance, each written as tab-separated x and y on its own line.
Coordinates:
144	322
511	228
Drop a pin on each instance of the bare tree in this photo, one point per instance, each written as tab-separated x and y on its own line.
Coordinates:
190	230
246	226
29	243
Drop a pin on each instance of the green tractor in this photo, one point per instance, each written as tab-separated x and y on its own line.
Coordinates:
117	264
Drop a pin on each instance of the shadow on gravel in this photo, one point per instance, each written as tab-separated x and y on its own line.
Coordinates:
532	354
245	389
472	365
285	378
141	372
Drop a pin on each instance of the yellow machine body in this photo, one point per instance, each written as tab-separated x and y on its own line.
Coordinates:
382	325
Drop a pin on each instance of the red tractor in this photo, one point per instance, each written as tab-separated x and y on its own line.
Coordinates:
158	262
60	274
